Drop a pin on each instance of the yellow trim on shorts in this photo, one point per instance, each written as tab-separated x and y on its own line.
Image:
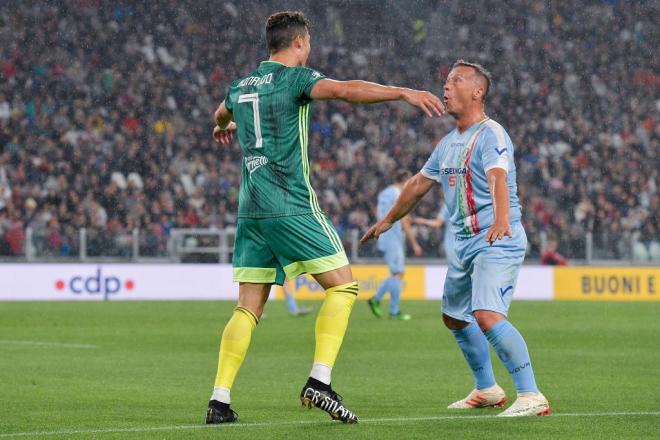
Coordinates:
317	265
260	275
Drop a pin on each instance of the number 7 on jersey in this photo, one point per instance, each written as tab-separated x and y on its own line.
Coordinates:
254	99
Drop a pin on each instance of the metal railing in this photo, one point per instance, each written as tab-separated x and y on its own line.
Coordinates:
216	246
186	243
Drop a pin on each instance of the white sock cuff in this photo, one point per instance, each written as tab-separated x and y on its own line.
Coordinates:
321	372
221	394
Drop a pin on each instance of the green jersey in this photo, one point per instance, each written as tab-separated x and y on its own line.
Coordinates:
271	107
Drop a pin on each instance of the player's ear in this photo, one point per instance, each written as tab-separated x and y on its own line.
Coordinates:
477	93
298	42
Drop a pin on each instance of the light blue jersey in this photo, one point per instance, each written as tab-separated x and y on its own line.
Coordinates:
460	162
443	215
447	235
394	237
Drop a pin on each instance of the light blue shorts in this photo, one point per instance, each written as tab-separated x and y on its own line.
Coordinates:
481	276
395	257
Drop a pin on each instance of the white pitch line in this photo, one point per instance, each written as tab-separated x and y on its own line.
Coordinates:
46	344
306	422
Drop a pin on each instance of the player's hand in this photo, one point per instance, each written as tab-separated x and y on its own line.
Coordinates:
375	231
417	250
426	101
498	231
225	136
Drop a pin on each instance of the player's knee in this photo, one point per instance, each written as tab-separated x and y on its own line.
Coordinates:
253	303
256	309
487	319
453	323
335	277
253	297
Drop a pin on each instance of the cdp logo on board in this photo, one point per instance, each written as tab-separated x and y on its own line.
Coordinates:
95	284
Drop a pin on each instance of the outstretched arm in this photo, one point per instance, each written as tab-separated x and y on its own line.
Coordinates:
364	92
412	192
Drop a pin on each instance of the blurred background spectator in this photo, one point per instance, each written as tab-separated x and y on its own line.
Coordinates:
550	256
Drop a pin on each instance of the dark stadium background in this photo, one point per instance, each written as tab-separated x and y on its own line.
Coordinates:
106	115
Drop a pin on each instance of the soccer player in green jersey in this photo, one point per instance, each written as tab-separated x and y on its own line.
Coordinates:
281	228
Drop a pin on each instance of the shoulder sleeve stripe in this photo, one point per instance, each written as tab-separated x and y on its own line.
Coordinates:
429	176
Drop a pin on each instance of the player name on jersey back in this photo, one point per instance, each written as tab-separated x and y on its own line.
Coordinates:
256	80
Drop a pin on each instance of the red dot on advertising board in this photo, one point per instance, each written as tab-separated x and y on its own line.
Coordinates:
130	284
59	284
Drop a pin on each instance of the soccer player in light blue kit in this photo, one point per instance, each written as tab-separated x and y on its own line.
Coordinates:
392	245
474	163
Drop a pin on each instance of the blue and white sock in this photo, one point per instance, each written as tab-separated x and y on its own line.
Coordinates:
475	348
512	351
395	295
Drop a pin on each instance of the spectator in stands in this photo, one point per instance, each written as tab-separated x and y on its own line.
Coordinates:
550	255
646	247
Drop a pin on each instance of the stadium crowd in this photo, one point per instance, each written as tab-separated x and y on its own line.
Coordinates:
106	115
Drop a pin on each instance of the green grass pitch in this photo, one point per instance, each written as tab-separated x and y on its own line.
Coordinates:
145	370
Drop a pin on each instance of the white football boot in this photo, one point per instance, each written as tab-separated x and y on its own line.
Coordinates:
528	404
493	397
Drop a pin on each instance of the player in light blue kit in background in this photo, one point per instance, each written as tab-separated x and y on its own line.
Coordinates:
436	223
393	247
474	163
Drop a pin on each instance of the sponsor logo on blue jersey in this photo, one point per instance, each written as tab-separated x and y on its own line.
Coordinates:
461	171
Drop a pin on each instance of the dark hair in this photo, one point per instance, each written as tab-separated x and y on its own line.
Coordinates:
283	27
481	71
402	175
